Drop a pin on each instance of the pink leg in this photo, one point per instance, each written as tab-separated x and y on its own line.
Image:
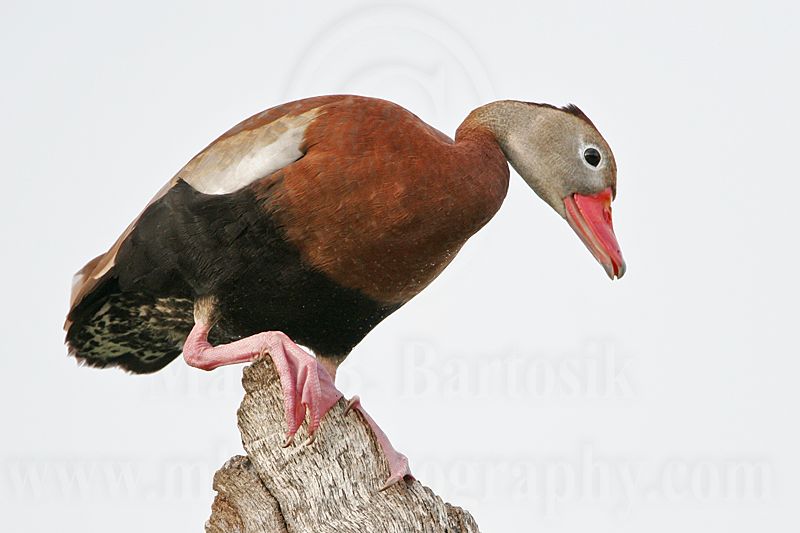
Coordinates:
398	463
306	384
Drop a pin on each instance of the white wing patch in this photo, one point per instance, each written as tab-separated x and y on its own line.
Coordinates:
234	162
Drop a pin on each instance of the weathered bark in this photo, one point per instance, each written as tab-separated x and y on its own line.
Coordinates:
330	485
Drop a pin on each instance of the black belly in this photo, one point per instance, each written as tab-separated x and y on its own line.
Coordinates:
188	245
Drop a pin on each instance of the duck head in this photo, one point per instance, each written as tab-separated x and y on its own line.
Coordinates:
564	159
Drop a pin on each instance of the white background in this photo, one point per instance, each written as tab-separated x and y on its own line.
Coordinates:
522	384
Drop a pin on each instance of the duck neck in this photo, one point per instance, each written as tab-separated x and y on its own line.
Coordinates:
487	128
499	119
481	168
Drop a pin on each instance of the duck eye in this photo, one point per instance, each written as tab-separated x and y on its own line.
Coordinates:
592	156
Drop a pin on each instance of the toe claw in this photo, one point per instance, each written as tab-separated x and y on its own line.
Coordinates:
288	441
310	440
393	480
389	483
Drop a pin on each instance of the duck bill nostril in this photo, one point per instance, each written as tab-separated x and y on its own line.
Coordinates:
590	217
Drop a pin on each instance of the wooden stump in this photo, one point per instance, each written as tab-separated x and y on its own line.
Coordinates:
330	485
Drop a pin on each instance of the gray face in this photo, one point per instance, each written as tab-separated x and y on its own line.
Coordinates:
558	153
566	161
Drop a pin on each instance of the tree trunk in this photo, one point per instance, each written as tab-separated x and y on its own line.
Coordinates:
330	485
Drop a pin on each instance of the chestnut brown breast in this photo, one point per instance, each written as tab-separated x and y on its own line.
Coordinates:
381	202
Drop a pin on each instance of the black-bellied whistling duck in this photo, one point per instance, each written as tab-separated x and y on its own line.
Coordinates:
313	221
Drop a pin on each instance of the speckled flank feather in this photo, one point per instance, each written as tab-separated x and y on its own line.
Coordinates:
132	331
